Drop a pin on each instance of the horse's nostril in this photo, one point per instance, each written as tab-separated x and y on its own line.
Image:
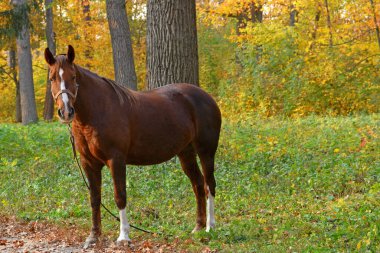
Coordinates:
71	112
60	113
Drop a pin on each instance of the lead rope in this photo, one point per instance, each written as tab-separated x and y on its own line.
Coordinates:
88	187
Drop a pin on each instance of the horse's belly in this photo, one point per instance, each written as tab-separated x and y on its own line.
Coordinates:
145	160
153	149
154	153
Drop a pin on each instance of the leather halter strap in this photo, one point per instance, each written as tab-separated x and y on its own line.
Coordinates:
74	96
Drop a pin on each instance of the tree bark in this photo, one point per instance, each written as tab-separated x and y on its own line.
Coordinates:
122	51
293	15
50	37
316	21
315	28
18	116
172	49
257	17
87	19
24	56
12	65
375	20
256	13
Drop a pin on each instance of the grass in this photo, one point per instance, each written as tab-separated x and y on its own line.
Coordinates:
283	185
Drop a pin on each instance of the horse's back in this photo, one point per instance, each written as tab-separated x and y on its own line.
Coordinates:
204	111
195	95
201	104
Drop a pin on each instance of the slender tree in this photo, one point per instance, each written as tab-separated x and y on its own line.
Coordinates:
293	14
123	62
329	23
242	17
257	17
172	49
315	26
24	57
50	37
256	12
87	22
316	21
9	27
12	67
375	21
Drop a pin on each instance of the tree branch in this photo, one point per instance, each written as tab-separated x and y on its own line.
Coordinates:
348	41
362	60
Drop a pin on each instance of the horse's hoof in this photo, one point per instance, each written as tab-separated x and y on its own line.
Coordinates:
210	227
90	241
123	242
197	228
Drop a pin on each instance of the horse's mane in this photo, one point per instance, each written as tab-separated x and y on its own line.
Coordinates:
121	91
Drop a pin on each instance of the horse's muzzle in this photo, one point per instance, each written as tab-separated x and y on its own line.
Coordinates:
66	116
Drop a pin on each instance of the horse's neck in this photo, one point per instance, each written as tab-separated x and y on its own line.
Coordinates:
90	92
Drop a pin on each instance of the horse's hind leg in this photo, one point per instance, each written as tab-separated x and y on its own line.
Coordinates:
118	172
190	167
207	162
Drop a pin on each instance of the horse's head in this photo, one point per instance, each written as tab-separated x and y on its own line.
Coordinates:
63	82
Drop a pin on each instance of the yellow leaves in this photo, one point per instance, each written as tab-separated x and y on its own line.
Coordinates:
4	202
359	245
332	81
261	220
341	202
86	36
272	141
234	7
5	6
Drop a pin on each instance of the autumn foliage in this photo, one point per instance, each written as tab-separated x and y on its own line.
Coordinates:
265	58
293	61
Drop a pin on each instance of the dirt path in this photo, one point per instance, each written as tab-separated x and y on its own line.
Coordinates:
16	236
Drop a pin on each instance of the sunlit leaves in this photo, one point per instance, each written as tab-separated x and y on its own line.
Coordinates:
292	70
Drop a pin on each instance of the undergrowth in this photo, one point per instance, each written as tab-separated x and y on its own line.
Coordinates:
283	185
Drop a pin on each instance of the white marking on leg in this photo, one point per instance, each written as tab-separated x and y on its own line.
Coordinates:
65	98
210	211
124	227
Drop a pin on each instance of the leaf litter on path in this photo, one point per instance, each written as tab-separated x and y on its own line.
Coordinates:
35	236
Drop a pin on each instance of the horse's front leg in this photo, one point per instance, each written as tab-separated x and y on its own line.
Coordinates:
118	172
94	176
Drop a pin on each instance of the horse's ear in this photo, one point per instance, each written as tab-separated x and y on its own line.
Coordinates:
49	57
70	54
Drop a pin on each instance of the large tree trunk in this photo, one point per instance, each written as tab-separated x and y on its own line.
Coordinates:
12	66
172	50
124	65
24	56
50	37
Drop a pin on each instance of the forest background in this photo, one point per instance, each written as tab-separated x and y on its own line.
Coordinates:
298	83
275	57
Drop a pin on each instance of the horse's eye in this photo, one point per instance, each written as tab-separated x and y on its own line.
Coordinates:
52	79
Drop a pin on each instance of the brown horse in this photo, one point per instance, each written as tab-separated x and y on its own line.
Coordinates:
115	126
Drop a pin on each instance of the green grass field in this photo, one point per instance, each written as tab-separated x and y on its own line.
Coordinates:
283	185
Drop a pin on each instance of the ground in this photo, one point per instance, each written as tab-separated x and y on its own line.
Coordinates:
18	236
